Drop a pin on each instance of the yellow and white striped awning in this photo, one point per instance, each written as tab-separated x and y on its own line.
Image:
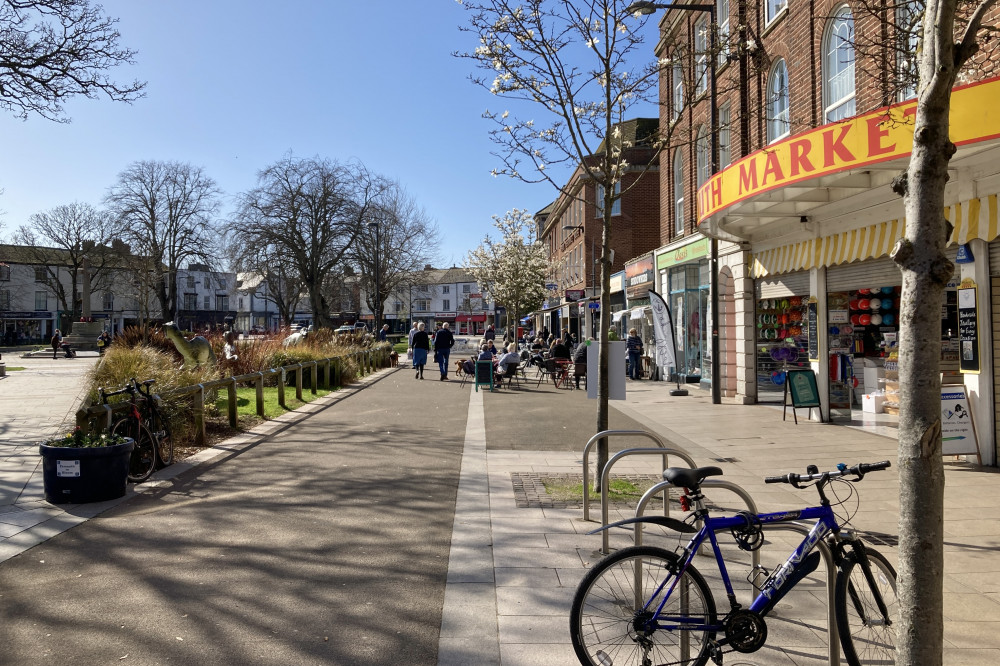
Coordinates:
976	218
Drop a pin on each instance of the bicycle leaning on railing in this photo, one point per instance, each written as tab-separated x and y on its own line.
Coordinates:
145	424
647	605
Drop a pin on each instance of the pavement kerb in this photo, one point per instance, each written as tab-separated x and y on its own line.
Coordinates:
65	516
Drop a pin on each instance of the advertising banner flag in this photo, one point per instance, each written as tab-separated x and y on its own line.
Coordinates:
663	328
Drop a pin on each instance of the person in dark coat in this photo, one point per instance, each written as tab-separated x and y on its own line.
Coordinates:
633	345
580	362
421	345
490	334
56	341
443	342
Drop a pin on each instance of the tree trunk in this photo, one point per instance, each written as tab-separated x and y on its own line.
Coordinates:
926	270
604	351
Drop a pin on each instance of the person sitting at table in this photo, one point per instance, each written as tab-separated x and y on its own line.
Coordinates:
509	357
484	353
559	350
580	362
492	347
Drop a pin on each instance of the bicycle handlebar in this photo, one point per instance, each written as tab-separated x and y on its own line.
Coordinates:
858	470
131	387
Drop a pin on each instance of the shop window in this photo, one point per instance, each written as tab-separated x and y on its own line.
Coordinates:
782	342
778	124
838	67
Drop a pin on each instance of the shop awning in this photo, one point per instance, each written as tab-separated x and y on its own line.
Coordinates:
475	317
616	316
975	218
637	313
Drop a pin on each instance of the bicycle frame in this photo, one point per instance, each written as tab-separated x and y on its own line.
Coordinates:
780	581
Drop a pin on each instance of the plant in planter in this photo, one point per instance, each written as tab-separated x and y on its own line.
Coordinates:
85	467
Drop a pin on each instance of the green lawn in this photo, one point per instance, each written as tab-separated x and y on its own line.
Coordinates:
13	368
246	401
400	347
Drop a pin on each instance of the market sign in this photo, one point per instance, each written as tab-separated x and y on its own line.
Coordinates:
574	295
683	254
879	136
639	277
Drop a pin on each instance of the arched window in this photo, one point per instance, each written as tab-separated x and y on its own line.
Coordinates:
678	192
838	66
704	157
778	123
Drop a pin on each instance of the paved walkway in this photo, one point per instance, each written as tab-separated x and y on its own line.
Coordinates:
512	570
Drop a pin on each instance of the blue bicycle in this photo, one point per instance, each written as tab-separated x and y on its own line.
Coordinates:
645	605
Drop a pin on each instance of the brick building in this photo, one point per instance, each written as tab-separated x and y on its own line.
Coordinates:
814	116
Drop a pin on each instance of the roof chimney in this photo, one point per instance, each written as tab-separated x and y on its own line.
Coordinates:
428	267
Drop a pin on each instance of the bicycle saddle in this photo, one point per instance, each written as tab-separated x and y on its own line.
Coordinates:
689	478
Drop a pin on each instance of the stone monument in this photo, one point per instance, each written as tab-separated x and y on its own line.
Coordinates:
83	335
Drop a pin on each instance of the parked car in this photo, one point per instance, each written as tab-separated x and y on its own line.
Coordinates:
344	329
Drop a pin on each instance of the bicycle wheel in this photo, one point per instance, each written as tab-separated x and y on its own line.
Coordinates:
611	621
867	636
143	459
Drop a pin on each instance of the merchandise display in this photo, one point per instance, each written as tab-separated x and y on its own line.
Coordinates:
782	340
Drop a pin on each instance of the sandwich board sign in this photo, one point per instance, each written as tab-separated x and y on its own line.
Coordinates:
958	432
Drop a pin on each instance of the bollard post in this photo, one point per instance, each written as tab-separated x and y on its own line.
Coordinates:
233	410
259	385
281	386
200	434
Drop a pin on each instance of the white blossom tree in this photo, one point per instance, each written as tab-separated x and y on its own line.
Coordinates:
511	269
573	63
947	41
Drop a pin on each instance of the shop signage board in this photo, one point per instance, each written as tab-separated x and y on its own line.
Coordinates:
812	327
639	277
800	385
968	328
958	432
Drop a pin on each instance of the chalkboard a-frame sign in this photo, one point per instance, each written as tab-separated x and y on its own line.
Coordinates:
800	385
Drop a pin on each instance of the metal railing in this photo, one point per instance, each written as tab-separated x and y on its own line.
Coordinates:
366	361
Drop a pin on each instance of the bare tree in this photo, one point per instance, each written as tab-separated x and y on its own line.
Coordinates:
402	243
62	239
54	49
945	46
310	211
277	274
571	60
166	211
511	270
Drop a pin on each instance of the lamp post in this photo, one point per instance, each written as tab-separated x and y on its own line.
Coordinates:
378	295
645	7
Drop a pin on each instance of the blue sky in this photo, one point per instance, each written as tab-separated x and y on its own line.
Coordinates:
233	85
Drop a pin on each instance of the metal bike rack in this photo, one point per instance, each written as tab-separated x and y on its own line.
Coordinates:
620	433
709	483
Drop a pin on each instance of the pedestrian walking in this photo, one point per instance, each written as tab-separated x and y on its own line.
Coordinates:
443	342
633	345
56	341
490	334
409	342
421	345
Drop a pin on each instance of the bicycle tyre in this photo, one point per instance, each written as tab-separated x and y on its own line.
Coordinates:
864	641
143	459
604	614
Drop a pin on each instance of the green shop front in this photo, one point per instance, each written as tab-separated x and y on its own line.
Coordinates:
685	283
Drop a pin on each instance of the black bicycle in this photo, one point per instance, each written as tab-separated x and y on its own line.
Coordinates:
145	425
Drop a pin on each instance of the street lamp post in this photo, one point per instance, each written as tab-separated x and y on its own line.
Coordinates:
378	295
645	7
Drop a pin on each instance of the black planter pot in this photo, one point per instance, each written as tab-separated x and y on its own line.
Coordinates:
78	475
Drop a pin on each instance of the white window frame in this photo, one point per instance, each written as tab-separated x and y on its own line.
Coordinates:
41	274
41	301
722	16
208	303
725	136
466	288
108	301
189	300
701	55
678	167
773	9
678	89
778	104
703	157
446	304
616	207
5	273
907	42
839	83
222	302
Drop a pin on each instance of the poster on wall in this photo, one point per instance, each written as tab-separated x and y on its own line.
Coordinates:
968	328
958	432
812	328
